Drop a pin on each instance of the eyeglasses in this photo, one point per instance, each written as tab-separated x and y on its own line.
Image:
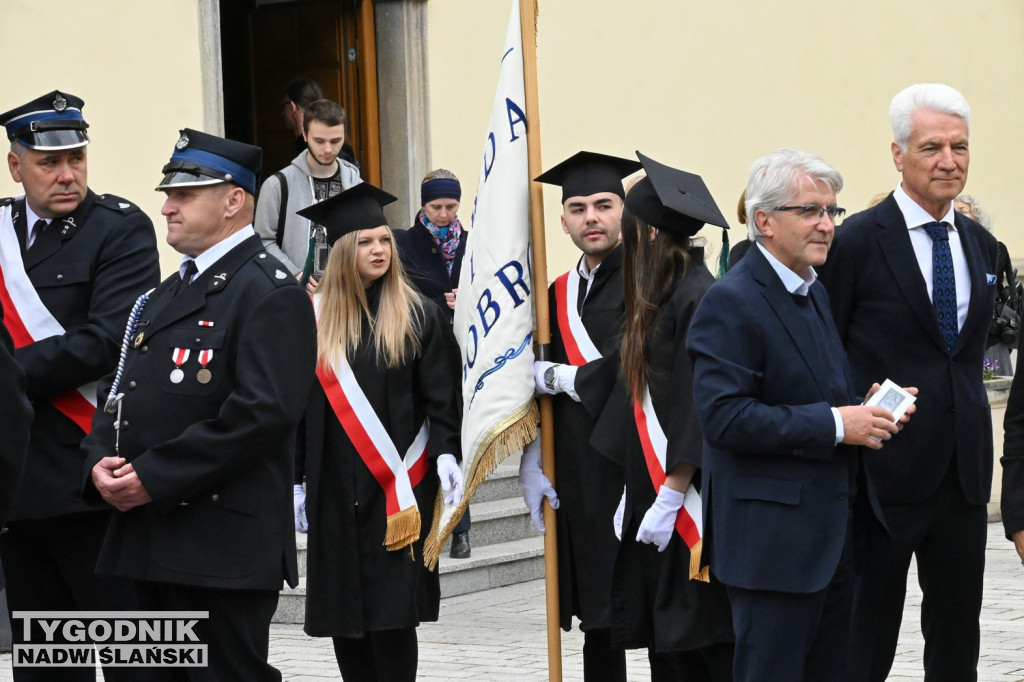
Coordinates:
816	212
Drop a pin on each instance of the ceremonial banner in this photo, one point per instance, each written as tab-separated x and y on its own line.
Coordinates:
494	314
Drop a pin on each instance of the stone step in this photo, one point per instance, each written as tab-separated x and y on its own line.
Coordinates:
503	483
495	565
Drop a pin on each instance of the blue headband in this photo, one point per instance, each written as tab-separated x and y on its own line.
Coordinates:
240	175
440	188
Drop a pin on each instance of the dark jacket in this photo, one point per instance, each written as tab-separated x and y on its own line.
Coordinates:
776	487
886	321
88	268
425	265
215	457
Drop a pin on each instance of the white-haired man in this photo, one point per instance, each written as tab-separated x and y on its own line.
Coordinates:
782	485
912	285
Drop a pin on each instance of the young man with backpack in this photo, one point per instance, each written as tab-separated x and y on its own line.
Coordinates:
314	175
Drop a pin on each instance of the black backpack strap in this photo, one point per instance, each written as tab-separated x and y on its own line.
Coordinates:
284	207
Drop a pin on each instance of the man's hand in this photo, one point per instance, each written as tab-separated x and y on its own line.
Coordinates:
1018	542
449	298
311	285
118	484
867	426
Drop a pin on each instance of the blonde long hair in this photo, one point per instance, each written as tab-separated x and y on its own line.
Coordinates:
397	326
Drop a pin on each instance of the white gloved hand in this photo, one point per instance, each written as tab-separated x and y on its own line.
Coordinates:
565	379
535	484
619	513
299	503
660	520
539	367
450	473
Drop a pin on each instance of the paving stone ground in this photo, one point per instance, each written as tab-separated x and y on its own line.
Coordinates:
499	634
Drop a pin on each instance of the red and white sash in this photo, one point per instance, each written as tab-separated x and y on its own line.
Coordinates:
578	346
28	320
397	476
690	518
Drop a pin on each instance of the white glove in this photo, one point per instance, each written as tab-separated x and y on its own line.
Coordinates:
565	379
619	512
535	484
660	520
299	502
450	473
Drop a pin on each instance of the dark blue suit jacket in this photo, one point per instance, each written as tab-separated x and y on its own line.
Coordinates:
776	487
886	321
425	266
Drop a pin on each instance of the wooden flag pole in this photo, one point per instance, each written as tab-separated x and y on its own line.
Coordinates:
528	30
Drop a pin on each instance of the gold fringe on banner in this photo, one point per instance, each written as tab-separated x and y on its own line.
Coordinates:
403	529
696	572
510	435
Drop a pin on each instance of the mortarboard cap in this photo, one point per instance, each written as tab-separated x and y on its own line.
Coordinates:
673	200
587	173
203	159
360	207
49	123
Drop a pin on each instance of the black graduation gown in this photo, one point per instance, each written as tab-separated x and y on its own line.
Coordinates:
588	485
655	604
353	583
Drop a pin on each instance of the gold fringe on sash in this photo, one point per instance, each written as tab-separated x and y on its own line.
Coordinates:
403	529
696	571
510	435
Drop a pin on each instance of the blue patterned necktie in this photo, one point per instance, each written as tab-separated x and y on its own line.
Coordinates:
943	282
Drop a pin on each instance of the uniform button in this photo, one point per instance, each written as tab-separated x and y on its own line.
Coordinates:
198	341
263	255
214	497
60	277
144	349
131	385
125	425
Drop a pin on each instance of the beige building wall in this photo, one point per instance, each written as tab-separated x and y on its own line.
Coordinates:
704	86
136	65
710	86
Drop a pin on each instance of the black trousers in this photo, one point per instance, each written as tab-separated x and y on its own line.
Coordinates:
794	637
710	664
237	632
948	537
50	566
602	660
379	656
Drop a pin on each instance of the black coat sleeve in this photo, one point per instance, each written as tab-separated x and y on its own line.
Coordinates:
125	264
14	424
1012	499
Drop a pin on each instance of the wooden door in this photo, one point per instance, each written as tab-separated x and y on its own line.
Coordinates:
315	39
